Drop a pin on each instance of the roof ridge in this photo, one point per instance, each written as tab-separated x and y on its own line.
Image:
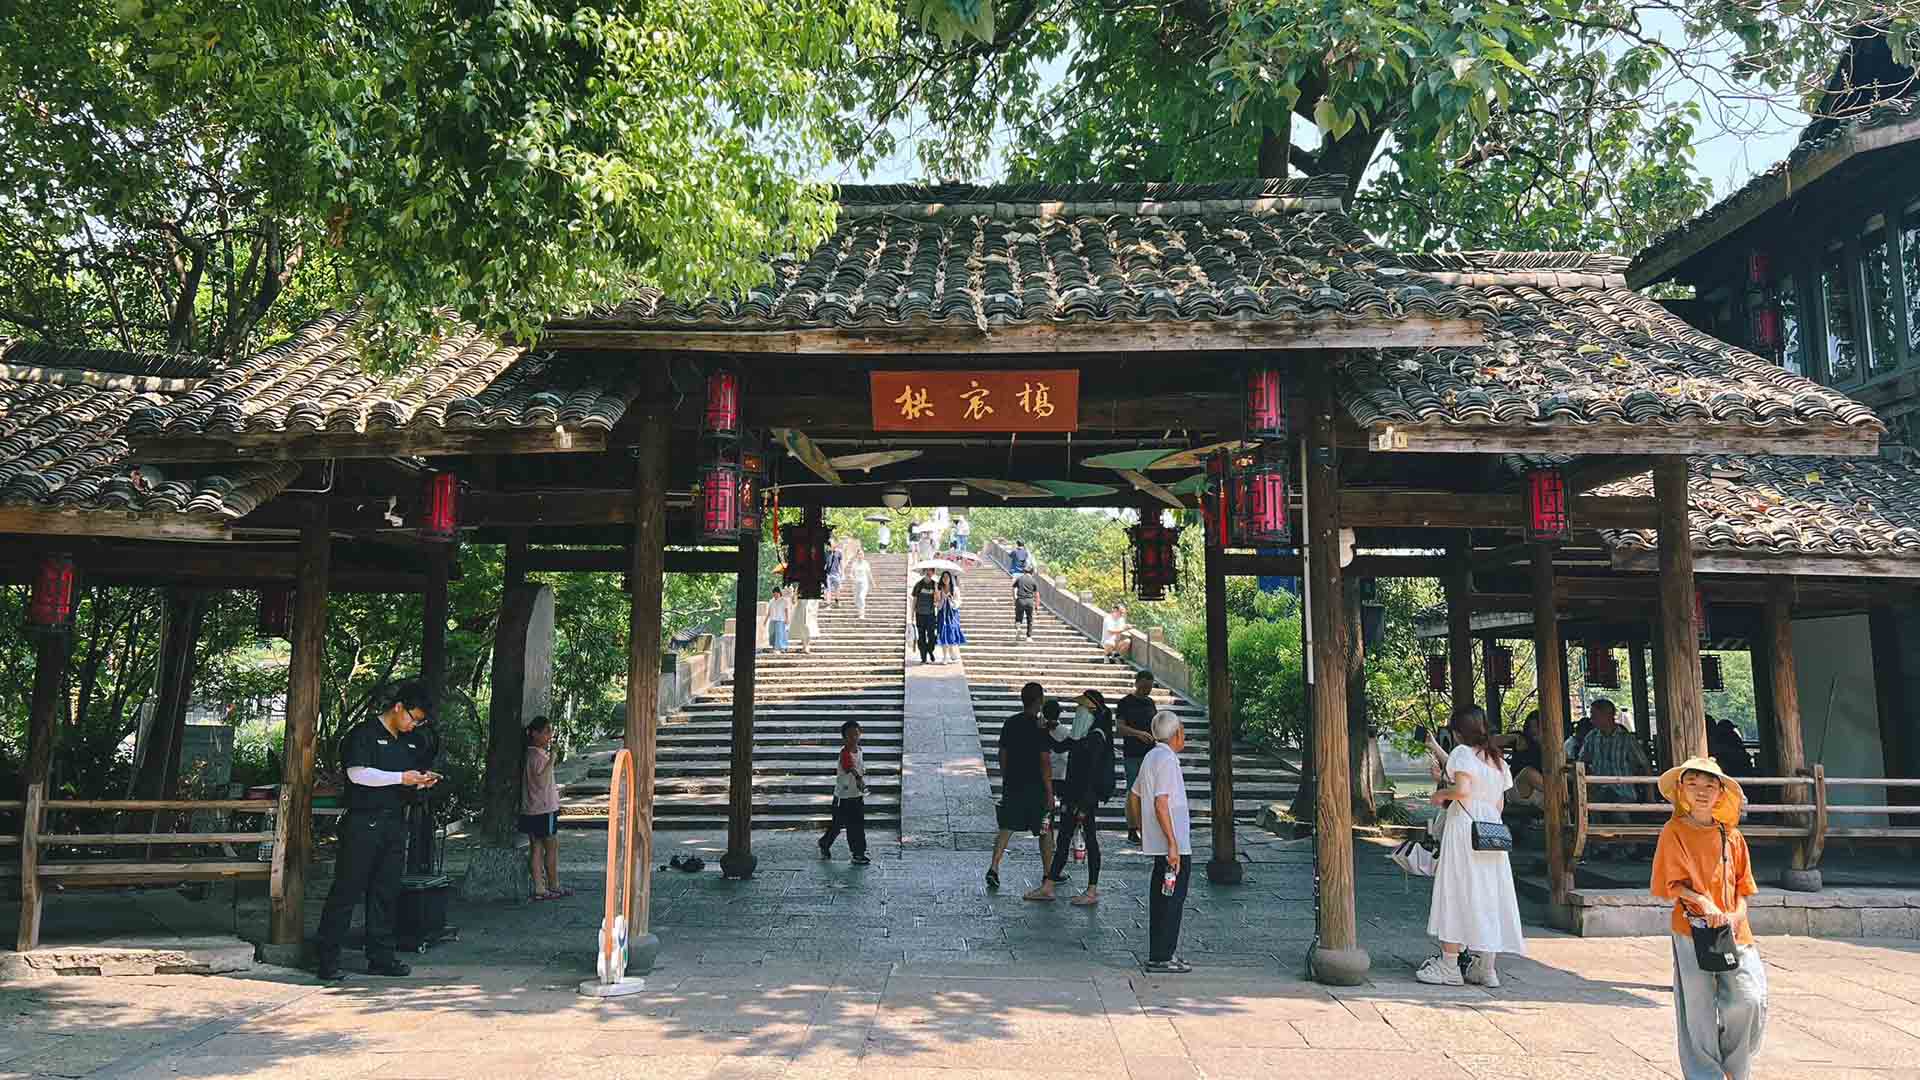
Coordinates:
35	355
1328	186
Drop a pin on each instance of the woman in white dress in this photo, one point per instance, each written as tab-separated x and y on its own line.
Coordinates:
862	582
1474	906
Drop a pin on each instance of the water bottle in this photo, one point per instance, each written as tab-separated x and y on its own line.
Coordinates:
1079	847
1167	882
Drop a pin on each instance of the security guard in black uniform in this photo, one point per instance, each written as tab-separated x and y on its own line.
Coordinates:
379	754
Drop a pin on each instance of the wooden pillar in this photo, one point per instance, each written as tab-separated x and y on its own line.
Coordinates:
507	718
739	860
1338	957
651	445
1643	701
433	674
50	656
1550	676
1459	589
156	773
1494	695
1682	711
293	828
1225	866
1776	632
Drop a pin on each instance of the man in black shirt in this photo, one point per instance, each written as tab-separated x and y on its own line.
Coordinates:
1026	780
924	621
379	754
1025	588
1135	728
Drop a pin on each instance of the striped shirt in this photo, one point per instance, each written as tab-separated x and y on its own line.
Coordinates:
1613	753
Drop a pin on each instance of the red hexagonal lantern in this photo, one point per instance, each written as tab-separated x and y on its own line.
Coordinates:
1547	518
442	521
720	502
1155	547
55	589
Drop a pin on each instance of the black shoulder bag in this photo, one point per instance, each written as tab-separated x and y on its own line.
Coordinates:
1713	946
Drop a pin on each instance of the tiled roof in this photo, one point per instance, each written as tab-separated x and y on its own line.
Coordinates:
1885	123
316	382
32	354
1766	505
960	255
63	446
1573	346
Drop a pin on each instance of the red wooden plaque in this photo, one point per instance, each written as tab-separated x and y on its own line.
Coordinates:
976	400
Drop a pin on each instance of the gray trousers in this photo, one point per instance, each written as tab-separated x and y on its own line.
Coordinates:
1720	1015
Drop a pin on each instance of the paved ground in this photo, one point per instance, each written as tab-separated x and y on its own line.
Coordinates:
909	969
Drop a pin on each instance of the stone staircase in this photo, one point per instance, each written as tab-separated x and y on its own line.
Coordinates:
800	700
1064	660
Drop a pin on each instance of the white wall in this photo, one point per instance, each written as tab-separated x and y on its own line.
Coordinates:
1839	707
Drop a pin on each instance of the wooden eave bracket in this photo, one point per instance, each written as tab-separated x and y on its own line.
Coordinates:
118	523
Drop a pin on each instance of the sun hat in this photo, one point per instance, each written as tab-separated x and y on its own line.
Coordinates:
1732	796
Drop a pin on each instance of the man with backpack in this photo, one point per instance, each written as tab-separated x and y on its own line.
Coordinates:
1088	742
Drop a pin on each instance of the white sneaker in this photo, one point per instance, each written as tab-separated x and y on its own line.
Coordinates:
1480	972
1439	971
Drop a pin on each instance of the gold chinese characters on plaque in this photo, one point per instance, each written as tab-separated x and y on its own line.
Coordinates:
976	400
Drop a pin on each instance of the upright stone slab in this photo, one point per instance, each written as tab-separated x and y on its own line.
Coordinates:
522	689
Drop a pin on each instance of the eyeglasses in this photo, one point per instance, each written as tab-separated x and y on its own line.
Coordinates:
417	715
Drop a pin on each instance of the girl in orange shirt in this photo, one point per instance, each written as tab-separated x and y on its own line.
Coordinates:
1703	866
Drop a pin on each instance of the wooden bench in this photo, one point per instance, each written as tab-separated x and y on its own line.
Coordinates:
35	874
1801	823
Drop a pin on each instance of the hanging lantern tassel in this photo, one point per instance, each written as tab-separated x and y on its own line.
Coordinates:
1437	674
50	607
1712	679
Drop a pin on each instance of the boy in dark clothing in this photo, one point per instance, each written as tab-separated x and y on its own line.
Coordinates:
1136	738
925	620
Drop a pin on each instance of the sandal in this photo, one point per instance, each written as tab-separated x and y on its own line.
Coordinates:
539	896
1040	893
1085	900
993	879
560	893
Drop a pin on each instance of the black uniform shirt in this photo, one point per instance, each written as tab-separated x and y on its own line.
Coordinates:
371	745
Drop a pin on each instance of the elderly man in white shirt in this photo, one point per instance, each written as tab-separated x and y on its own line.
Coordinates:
1166	834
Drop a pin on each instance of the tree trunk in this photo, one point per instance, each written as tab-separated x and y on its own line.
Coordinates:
1361	747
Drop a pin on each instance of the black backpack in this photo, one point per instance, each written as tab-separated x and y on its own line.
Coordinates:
1102	786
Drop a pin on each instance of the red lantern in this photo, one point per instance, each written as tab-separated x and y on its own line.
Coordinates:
720	503
1266	405
807	555
1500	667
50	608
443	507
1602	669
723	404
1261	509
1437	674
1759	268
1547	517
275	618
1765	328
1154	552
1712	679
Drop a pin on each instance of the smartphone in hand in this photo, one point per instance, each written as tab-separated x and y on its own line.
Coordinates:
1420	734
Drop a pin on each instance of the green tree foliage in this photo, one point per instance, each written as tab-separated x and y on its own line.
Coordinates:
184	175
1479	123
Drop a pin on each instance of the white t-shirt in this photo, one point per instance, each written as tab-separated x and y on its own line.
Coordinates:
863	575
779	609
1160	775
848	774
1112	625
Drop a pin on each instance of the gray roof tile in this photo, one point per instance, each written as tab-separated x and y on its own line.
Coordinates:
1789	505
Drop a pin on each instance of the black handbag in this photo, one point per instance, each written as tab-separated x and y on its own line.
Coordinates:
1492	836
1714	948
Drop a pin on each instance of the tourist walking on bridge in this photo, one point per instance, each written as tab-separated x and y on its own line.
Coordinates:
1474	905
1703	866
1026	588
1167	833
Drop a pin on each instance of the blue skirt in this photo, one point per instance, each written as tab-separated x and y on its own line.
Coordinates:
948	630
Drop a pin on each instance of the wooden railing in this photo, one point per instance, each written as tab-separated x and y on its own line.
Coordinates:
1804	818
34	836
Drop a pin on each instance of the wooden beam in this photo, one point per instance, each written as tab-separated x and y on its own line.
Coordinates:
1458	586
619	561
37	522
1338	957
1446	510
1682	709
1550	679
739	860
1374	566
1495	697
648	570
200	568
1030	338
1719	562
1693	439
1224	867
1642	699
421	442
294	844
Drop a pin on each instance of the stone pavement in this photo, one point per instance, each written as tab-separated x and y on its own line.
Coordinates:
945	797
908	968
